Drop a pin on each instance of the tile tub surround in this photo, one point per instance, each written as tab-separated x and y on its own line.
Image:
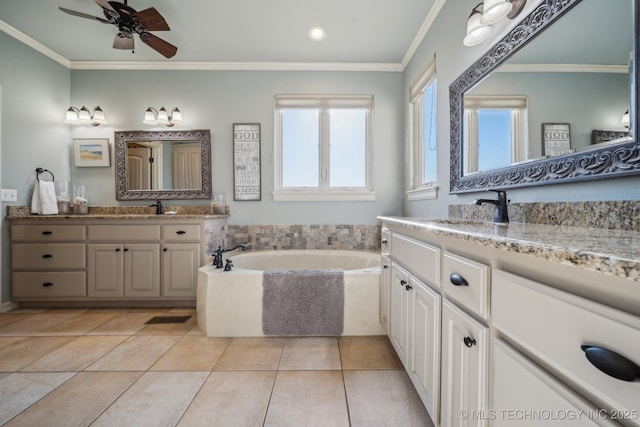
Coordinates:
612	252
317	236
616	215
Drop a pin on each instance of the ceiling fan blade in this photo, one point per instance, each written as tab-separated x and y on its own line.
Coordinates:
105	5
83	15
151	20
164	48
123	41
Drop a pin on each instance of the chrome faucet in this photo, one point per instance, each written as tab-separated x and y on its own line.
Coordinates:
159	207
217	257
500	213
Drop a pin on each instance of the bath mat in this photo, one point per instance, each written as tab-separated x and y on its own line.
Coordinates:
303	302
167	319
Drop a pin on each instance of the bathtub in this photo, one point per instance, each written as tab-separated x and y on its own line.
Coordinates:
229	303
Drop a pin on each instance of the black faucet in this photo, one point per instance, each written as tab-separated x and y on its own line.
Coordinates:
217	257
159	207
500	213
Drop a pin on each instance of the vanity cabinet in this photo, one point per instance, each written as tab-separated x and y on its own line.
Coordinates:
399	311
180	263
385	292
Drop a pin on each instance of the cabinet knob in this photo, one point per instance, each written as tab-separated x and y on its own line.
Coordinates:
403	282
126	249
408	287
164	249
458	280
385	266
47	256
469	342
384	241
117	249
612	363
46	233
47	284
181	232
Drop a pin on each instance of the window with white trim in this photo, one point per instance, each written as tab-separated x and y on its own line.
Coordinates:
495	133
423	136
323	148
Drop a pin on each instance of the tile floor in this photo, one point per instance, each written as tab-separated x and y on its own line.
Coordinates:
106	367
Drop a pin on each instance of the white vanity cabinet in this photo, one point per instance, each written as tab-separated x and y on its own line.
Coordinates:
385	292
399	311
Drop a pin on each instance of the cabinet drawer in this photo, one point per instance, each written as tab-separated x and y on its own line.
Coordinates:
44	233
552	325
49	284
180	232
385	241
120	233
48	256
467	282
421	259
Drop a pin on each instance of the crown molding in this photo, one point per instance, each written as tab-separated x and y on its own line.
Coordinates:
422	32
236	66
34	44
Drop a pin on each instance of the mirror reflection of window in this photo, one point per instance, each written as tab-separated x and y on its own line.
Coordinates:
495	133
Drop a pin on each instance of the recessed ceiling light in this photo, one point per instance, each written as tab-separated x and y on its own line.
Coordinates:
317	33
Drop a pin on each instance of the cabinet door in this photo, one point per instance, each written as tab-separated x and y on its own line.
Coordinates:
105	266
399	311
424	366
521	390
464	369
385	289
141	270
180	263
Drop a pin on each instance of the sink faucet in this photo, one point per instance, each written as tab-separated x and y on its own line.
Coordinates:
159	207
500	213
217	257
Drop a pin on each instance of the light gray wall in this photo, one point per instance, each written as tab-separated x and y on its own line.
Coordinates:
444	39
35	94
215	100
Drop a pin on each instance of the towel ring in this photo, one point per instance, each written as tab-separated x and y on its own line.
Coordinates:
40	170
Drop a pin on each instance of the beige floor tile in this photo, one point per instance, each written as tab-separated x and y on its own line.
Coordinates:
80	324
170	328
383	398
231	398
308	398
254	354
76	355
313	353
35	323
7	341
23	352
138	353
8	318
193	353
127	323
19	390
156	399
78	401
369	352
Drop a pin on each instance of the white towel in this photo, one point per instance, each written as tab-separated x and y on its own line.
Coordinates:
44	200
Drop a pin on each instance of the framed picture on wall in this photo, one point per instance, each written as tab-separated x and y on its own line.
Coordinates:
91	152
556	139
246	161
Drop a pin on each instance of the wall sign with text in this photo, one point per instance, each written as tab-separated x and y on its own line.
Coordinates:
246	161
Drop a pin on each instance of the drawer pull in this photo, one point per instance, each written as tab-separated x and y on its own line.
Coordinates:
117	249
458	280
469	342
612	363
47	284
47	256
181	232
408	287
46	233
403	282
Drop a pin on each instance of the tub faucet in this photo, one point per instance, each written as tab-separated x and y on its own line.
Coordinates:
217	257
159	207
500	213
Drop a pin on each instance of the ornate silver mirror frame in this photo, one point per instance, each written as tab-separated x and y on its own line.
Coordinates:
120	147
609	161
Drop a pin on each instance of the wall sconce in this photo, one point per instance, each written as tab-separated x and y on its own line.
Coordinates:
83	117
153	117
625	121
479	24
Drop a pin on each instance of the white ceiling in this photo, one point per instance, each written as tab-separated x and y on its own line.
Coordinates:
367	33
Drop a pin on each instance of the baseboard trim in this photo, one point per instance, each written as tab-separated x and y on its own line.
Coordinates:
8	306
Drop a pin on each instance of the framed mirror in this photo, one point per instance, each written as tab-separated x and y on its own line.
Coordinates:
545	104
163	165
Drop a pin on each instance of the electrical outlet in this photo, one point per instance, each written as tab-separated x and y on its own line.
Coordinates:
8	195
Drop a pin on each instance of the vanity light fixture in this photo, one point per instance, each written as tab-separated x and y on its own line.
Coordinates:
82	116
153	117
493	11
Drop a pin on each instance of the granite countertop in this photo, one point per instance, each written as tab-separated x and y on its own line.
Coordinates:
613	252
118	213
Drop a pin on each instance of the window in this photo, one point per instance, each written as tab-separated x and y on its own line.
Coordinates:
323	148
495	132
423	136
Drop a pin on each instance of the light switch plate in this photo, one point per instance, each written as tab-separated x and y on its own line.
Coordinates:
8	195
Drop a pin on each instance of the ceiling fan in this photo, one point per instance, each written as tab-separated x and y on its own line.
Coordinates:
130	22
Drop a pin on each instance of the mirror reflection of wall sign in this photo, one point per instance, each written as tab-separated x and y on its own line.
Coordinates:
556	138
246	161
